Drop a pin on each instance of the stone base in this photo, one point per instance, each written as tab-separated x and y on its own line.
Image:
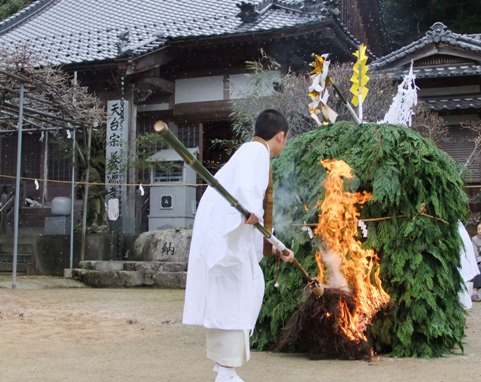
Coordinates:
56	225
131	274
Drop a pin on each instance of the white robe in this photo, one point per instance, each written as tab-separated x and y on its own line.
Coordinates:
225	284
469	267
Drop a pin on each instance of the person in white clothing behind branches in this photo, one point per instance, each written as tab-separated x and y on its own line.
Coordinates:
225	284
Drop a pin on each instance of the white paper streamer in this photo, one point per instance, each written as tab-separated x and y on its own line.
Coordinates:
401	110
319	103
309	231
113	209
36	184
363	228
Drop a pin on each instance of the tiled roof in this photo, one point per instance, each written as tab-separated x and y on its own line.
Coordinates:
455	102
449	71
476	36
438	33
73	31
458	70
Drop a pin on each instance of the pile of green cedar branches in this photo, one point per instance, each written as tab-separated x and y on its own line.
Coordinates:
419	255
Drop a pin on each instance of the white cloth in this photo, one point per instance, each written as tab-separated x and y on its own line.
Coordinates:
113	209
469	267
228	347
225	284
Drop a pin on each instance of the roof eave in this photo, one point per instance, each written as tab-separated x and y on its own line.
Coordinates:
22	15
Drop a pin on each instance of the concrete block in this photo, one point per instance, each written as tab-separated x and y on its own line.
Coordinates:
56	225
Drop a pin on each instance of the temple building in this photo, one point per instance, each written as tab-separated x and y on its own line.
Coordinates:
447	66
181	62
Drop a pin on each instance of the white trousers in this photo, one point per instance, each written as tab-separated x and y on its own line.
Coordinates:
228	347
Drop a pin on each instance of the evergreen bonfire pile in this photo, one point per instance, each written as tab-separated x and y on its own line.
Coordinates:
418	191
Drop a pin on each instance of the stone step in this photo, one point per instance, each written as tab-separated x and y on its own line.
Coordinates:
24	245
143	266
21	258
8	267
23	263
23	248
7	240
24	253
131	274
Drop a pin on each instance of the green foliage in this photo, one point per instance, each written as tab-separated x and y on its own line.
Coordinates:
147	145
9	7
407	20
409	179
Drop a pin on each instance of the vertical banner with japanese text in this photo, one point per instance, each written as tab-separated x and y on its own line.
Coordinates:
116	153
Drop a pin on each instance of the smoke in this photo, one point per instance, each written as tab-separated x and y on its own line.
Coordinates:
282	199
289	207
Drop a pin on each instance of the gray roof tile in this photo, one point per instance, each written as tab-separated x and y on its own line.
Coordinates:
445	71
87	30
438	33
455	102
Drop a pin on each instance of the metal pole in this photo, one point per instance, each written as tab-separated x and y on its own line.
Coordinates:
119	225
72	198
86	195
17	187
45	171
72	186
122	190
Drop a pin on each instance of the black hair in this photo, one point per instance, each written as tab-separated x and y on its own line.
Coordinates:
269	123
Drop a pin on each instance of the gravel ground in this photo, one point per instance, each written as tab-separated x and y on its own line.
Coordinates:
53	329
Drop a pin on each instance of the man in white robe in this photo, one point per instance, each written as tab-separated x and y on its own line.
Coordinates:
225	284
468	268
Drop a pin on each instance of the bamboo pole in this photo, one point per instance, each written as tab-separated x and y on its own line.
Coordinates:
344	101
161	128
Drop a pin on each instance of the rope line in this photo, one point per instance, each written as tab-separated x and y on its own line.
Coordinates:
129	184
383	218
81	182
420	213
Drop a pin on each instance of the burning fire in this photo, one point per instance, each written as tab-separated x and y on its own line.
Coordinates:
342	261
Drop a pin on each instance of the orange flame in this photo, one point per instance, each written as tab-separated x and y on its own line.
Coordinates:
343	263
